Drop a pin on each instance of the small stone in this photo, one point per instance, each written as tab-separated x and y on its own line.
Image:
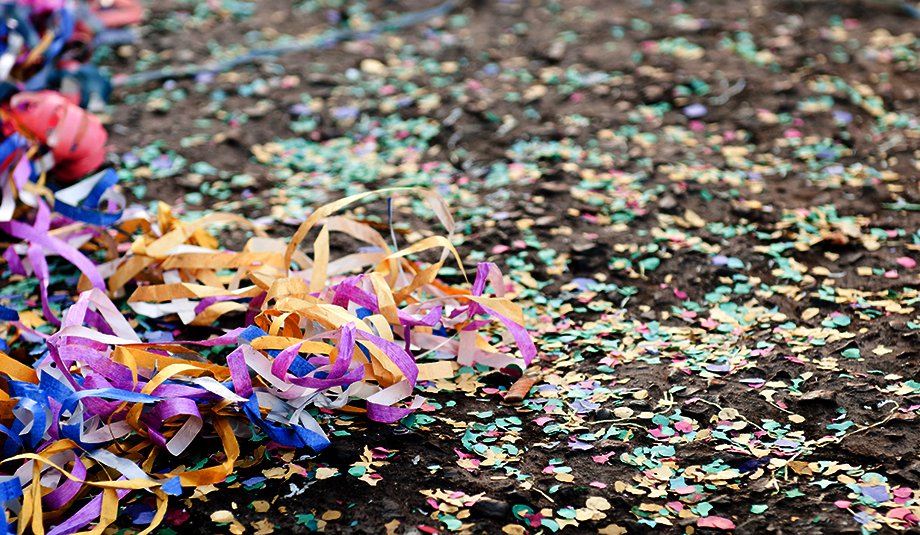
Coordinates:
490	508
603	414
556	50
390	508
667	202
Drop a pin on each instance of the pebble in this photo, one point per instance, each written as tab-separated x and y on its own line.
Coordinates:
491	508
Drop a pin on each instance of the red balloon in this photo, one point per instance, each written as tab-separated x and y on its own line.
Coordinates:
75	136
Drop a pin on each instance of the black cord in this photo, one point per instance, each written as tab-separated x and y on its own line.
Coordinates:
396	23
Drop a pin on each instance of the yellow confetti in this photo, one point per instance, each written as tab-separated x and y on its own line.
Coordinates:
564	477
276	472
597	503
392	526
324	472
263	527
331	515
223	516
800	467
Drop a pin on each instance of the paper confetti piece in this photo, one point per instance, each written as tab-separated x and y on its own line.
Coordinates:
716	522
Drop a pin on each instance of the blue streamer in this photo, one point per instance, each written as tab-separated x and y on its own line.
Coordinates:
8	314
10	488
292	437
87	211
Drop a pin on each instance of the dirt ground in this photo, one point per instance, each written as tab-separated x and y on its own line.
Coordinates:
709	210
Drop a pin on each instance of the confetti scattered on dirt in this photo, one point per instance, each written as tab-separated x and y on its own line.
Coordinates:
709	213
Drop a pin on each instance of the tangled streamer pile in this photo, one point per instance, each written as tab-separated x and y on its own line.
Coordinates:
330	335
49	142
103	411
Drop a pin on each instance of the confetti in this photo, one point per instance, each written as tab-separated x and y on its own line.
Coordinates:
713	257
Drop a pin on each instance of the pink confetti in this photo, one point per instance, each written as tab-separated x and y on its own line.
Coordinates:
902	513
709	323
683	426
601	459
717	522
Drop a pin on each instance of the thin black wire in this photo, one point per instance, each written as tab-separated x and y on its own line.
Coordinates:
324	41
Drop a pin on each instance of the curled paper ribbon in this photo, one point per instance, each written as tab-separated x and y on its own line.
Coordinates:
42	43
84	200
101	407
76	140
34	36
98	393
377	288
46	132
86	209
39	242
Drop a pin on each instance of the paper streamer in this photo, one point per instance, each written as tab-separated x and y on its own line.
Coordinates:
332	333
100	413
